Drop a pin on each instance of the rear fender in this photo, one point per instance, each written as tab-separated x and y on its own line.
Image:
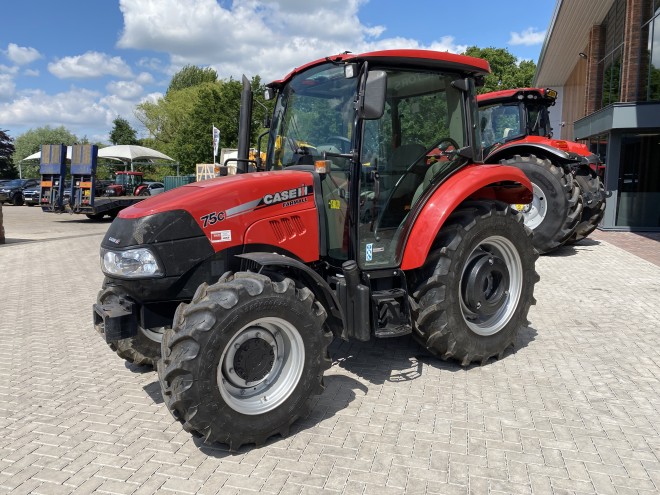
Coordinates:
508	150
496	182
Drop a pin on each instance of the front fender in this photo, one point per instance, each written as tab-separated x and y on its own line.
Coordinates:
498	182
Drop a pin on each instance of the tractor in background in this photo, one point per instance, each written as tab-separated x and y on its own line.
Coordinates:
569	197
373	216
127	183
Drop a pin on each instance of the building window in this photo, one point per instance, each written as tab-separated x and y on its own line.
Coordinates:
638	202
611	77
653	53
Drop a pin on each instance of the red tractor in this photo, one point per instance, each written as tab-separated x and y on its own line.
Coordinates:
127	184
372	216
569	198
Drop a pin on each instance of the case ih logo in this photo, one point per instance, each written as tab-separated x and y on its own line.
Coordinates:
289	197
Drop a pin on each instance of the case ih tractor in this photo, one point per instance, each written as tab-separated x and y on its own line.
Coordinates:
127	184
374	217
569	198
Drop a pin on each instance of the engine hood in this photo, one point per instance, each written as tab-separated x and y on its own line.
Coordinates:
225	208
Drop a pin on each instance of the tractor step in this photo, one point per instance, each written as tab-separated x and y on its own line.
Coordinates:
392	315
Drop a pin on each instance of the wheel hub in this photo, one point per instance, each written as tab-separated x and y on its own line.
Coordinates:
485	286
254	360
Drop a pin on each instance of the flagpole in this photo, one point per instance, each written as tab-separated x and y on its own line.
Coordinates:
213	140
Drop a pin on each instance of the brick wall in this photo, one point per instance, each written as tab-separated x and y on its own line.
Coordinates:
632	51
593	88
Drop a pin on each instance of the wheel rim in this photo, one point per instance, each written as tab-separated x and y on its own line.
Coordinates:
491	284
261	366
154	334
534	213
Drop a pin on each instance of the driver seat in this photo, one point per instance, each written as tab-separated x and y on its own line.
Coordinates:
402	157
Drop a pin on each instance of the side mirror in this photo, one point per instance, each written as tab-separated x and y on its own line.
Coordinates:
269	94
373	101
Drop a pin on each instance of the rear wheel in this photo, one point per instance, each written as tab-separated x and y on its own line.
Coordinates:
593	200
475	290
243	358
95	216
556	206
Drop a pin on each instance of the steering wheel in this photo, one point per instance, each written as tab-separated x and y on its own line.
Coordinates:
415	167
340	142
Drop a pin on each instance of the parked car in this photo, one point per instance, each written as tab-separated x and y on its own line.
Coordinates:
31	195
154	188
12	191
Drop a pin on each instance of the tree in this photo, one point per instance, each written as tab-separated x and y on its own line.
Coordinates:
30	142
506	73
190	76
122	132
7	170
179	124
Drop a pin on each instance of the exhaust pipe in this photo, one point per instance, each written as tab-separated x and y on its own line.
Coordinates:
244	127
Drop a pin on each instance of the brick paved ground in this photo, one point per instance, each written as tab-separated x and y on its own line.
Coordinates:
575	409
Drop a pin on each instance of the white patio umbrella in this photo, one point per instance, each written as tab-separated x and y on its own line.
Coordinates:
127	153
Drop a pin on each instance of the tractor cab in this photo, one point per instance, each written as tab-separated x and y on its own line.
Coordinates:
125	183
382	135
514	114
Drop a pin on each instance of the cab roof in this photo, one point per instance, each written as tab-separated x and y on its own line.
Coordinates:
516	94
424	59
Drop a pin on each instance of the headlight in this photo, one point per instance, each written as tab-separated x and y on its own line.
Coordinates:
132	263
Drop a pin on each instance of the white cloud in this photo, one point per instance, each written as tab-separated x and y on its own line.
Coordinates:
31	72
89	65
7	86
264	37
75	109
144	78
530	36
5	69
22	55
126	90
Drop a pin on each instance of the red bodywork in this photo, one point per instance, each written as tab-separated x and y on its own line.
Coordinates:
429	58
271	208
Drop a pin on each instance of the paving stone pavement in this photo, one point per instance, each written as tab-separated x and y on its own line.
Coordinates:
574	409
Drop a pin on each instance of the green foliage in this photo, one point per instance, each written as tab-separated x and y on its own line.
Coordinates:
190	76
7	170
30	142
122	132
505	72
180	123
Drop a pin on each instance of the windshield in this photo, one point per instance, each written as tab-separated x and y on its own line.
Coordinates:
500	122
314	113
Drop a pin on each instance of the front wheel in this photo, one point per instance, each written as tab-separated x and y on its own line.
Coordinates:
475	290
243	358
144	348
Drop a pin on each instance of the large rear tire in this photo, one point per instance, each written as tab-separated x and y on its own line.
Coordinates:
475	290
593	200
243	358
556	206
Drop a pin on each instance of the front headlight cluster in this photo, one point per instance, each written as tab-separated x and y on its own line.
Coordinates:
132	263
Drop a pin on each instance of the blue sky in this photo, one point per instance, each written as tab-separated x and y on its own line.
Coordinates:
80	63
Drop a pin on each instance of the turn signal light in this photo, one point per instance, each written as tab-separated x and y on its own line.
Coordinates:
322	166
